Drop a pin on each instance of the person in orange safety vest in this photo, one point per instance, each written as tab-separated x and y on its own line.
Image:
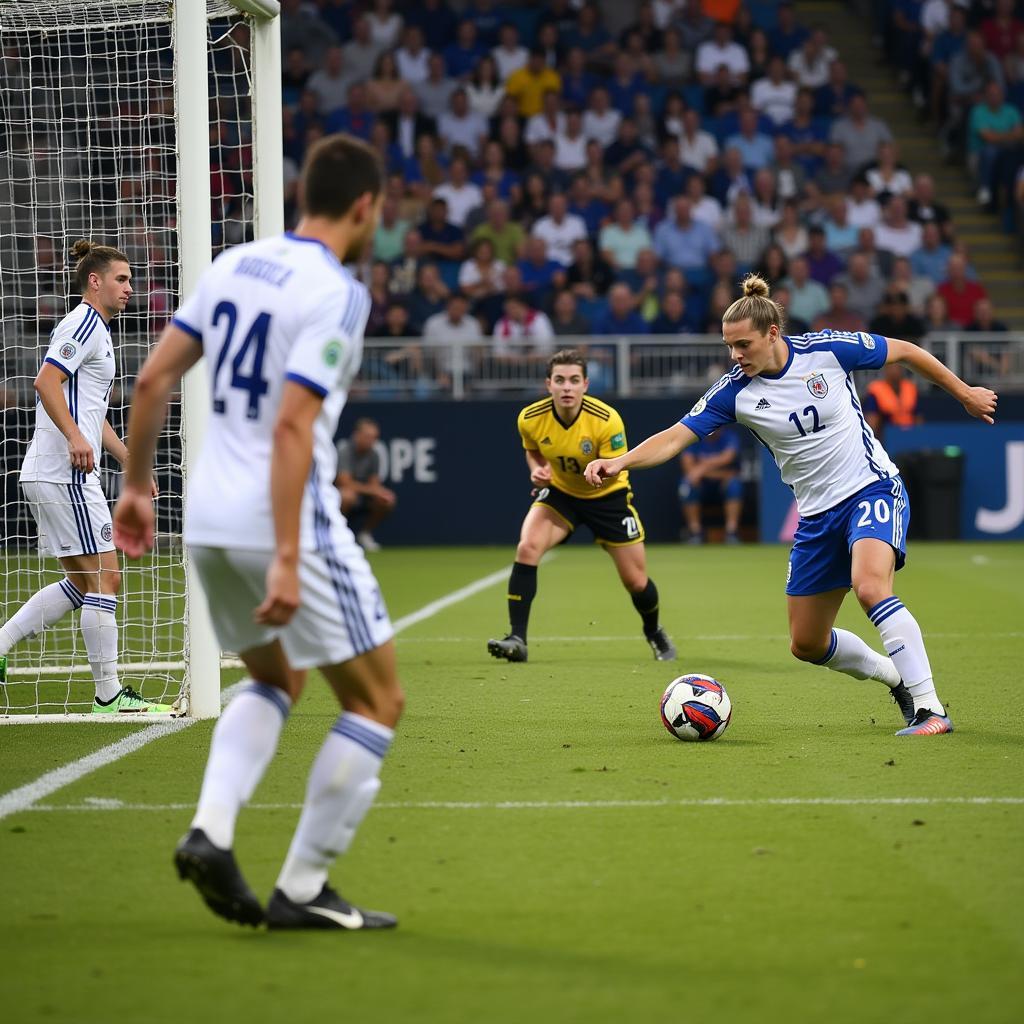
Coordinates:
891	400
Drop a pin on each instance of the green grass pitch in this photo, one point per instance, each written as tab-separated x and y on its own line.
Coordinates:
552	853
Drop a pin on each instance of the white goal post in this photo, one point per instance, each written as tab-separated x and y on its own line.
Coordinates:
154	127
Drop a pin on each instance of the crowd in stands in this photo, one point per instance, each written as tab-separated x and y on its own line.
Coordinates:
964	65
549	173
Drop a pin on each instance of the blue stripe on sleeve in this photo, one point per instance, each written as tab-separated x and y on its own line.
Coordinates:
317	389
188	329
60	366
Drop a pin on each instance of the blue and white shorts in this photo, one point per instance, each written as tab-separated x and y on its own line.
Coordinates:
73	519
820	559
341	614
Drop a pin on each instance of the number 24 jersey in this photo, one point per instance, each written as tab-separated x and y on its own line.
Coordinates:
278	309
808	416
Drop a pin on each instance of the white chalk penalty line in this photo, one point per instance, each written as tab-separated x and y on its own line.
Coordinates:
104	804
25	797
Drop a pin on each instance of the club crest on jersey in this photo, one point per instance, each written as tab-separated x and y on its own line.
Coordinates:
332	353
587	446
107	532
67	351
700	405
817	385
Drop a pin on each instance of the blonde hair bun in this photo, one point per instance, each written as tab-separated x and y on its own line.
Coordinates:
755	285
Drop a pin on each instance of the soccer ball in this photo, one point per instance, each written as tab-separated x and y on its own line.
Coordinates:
696	707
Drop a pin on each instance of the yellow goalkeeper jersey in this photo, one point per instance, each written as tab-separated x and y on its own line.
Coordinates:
596	433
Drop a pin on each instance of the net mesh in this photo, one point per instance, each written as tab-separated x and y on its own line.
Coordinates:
88	150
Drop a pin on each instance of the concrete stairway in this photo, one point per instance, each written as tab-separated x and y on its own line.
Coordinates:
994	254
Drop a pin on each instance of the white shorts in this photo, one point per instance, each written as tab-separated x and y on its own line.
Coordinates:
341	612
73	519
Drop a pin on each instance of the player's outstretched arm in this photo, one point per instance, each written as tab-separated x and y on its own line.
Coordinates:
289	469
979	402
658	448
175	353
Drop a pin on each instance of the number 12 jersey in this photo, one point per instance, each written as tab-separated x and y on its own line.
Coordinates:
807	415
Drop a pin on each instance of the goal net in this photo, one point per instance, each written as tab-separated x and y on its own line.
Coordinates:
89	148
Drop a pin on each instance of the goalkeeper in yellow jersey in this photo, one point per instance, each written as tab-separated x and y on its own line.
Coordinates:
562	434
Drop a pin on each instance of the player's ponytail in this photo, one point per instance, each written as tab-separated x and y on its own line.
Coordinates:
756	306
90	258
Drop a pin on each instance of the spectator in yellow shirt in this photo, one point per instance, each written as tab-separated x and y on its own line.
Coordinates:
528	85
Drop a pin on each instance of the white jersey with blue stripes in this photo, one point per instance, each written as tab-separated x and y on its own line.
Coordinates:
282	308
808	416
81	348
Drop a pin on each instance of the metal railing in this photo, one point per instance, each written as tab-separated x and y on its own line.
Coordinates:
637	365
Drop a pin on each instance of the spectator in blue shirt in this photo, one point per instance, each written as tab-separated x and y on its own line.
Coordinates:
539	274
435	19
788	34
672	175
487	19
681	241
590	36
808	133
832	97
460	57
673	317
621	317
337	14
624	84
944	48
585	204
577	82
711	471
756	147
931	259
356	118
627	152
441	240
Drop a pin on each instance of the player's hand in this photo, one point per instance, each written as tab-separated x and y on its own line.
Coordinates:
282	600
981	404
599	471
81	454
541	476
133	522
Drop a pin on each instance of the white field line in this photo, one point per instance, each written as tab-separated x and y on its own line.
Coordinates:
25	797
22	798
699	637
103	804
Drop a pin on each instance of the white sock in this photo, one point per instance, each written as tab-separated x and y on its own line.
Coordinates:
849	654
902	638
99	630
42	609
244	741
342	785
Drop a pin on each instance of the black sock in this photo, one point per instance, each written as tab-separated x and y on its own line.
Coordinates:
522	588
646	603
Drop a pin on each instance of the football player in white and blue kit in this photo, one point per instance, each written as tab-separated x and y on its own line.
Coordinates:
281	322
796	395
60	478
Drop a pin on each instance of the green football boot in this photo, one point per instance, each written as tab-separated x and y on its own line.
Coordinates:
128	702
